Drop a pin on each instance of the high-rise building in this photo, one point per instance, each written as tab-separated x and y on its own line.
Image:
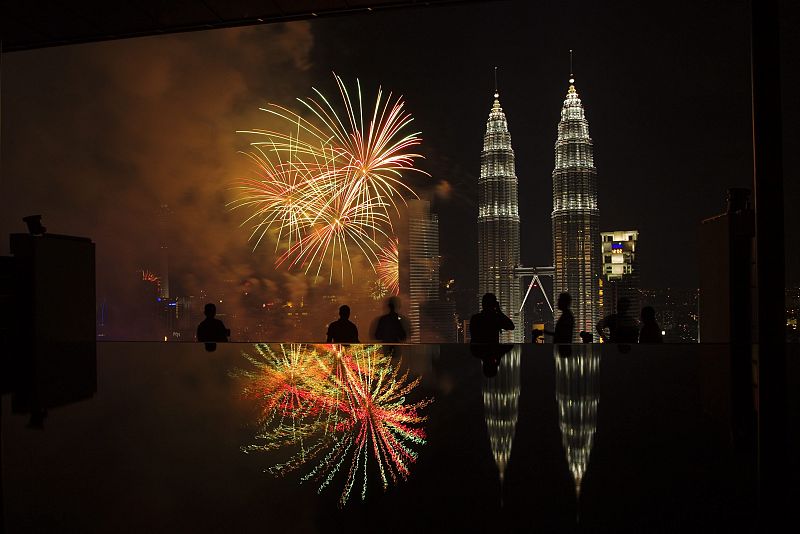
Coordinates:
576	251
432	320
621	275
728	273
163	250
498	221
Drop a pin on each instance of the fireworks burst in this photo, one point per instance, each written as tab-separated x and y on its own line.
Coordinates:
388	267
327	188
341	406
148	276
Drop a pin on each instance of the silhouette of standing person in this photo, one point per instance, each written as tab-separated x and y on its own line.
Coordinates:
342	330
485	327
621	328
565	324
212	330
392	327
650	332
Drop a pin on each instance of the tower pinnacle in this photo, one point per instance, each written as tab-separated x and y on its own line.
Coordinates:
571	72
496	93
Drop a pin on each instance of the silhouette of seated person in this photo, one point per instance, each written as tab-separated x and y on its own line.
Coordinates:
650	332
211	329
621	328
485	327
565	324
392	327
342	330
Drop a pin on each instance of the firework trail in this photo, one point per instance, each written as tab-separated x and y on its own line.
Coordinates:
148	276
345	408
327	187
388	267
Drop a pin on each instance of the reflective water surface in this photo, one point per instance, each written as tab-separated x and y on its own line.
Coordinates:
325	438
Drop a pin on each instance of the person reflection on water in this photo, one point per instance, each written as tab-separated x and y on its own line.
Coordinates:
485	327
392	327
342	330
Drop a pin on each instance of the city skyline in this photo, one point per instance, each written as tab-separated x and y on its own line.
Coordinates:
670	140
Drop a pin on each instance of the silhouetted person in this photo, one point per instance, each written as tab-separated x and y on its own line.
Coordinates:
621	328
485	327
650	332
565	324
342	330
392	327
212	330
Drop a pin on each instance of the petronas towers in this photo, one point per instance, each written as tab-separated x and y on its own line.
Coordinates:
498	221
575	219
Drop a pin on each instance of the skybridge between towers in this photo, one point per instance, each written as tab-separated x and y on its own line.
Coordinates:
535	274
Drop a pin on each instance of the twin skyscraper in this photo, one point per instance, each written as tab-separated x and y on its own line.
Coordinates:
576	265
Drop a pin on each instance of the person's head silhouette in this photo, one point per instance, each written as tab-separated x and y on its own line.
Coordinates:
210	310
623	305
648	314
393	304
344	311
489	302
564	301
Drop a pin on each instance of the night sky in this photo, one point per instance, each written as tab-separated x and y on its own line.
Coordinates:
96	136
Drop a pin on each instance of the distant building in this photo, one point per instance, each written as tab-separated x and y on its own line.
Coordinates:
439	323
498	222
576	216
432	319
163	250
727	273
621	277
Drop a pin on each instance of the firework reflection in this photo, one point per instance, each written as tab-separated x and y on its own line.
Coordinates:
341	409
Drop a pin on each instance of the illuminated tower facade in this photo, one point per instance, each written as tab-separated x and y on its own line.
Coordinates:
621	271
431	319
576	226
498	221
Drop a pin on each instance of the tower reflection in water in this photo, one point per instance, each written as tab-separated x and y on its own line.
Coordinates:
501	405
339	408
577	394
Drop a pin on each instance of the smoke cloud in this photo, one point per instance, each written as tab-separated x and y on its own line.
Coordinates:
97	137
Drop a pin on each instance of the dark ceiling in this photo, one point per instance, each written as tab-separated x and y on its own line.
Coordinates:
41	23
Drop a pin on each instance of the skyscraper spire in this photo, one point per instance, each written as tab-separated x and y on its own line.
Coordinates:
498	221
496	92
571	75
576	226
